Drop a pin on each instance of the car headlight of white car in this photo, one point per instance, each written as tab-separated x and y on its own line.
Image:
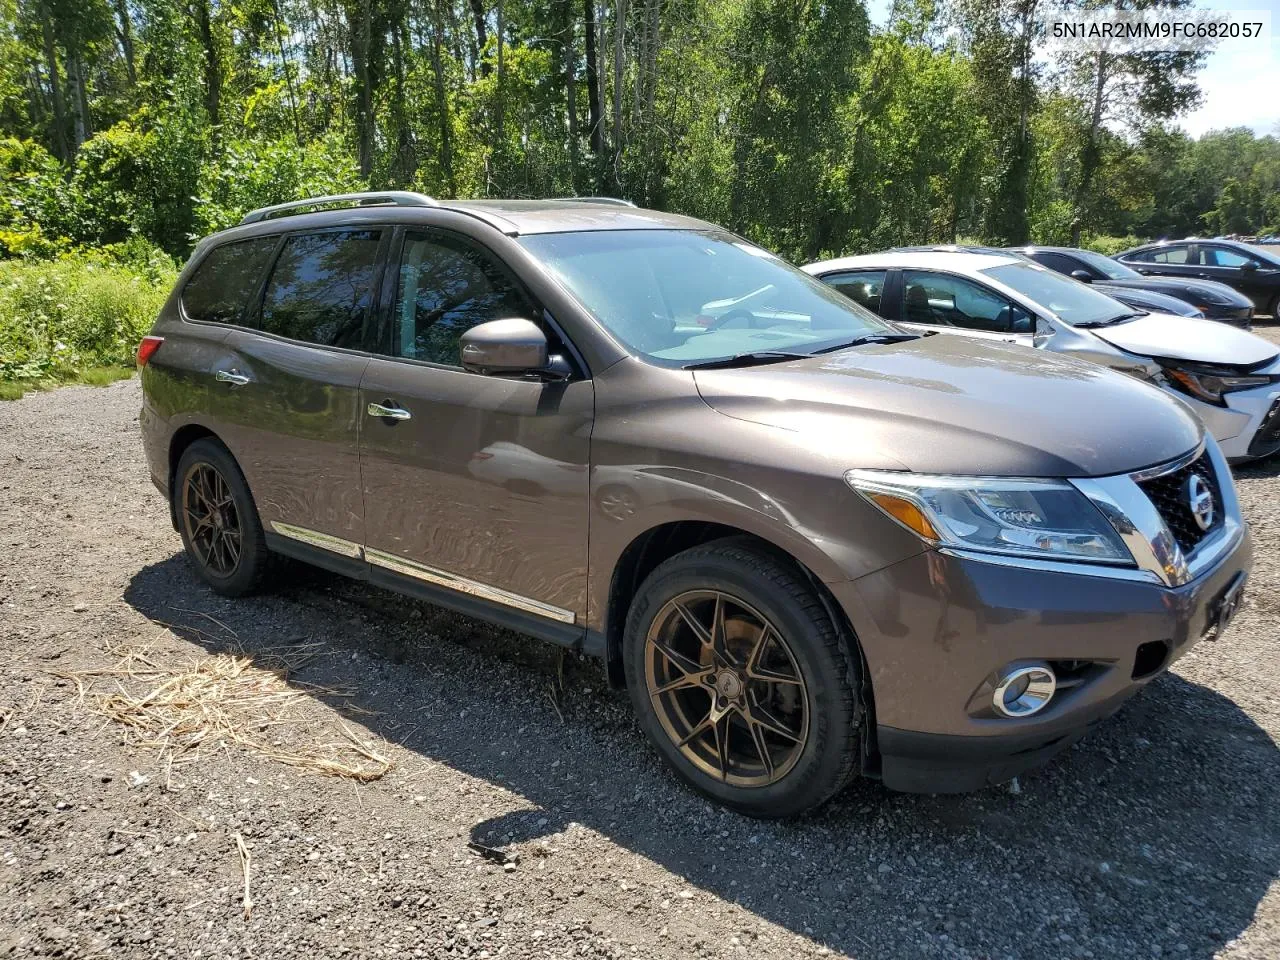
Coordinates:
1211	384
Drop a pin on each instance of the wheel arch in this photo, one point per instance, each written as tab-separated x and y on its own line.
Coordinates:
658	544
183	438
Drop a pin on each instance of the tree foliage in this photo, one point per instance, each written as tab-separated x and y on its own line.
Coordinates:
791	121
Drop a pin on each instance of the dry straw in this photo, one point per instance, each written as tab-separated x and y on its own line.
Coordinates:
226	698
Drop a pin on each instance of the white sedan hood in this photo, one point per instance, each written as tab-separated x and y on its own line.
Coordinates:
1188	338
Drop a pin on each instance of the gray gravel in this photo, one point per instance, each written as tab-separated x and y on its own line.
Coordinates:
1157	836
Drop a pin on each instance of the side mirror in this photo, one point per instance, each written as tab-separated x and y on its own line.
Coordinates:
1084	276
1249	266
507	347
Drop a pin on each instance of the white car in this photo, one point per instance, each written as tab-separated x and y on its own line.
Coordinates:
1230	377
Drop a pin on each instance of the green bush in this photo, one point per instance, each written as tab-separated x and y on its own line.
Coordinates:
60	318
1110	246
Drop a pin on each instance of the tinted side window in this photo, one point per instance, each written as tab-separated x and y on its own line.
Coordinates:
1222	257
1058	262
225	280
941	299
864	287
321	290
1168	255
446	287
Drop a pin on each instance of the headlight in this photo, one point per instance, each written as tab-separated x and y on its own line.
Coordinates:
1210	385
1214	297
1049	519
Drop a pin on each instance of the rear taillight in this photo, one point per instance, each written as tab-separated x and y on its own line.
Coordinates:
147	349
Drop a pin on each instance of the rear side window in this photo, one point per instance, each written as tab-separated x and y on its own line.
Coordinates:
321	290
224	281
864	287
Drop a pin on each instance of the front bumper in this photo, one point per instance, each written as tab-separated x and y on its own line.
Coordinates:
935	629
1248	427
1237	316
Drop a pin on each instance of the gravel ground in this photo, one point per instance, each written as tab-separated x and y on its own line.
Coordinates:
1157	836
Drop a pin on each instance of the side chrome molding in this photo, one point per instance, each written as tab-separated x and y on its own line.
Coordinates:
314	538
420	571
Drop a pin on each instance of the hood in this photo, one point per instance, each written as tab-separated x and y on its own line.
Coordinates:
952	405
1188	338
1183	287
1148	300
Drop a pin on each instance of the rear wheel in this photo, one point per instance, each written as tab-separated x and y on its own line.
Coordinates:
217	519
1275	309
741	680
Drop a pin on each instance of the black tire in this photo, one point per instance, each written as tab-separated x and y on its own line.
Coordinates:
253	559
1275	309
824	658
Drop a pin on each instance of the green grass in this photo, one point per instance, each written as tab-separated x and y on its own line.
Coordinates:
92	377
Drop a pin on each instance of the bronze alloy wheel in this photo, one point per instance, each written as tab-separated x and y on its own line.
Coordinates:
726	688
212	521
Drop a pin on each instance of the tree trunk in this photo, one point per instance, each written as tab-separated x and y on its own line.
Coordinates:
619	71
1090	154
80	125
124	31
594	119
571	91
482	35
442	102
361	27
60	146
406	158
280	28
212	70
501	104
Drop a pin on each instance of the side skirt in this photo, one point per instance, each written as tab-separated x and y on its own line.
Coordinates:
358	568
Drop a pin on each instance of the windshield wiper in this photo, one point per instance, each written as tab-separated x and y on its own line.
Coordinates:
1089	324
870	338
748	359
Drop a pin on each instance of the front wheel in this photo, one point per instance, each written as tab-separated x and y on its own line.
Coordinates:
741	680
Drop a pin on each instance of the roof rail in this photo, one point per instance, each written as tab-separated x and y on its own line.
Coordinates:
611	201
398	198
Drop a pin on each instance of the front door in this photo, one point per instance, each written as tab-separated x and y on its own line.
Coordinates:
287	391
475	483
1235	269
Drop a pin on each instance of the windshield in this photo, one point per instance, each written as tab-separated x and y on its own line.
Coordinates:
686	296
1109	268
1071	300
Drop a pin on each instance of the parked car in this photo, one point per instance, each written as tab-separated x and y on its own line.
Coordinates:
1254	270
1208	298
832	545
1151	302
1229	377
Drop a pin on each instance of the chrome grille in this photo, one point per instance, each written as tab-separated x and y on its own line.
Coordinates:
1168	492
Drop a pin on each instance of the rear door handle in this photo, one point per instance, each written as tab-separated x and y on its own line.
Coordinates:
230	376
386	411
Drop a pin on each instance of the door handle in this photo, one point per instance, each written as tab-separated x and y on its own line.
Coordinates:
230	376
388	412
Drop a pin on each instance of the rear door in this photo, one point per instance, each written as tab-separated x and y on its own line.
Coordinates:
1171	260
287	391
946	303
478	484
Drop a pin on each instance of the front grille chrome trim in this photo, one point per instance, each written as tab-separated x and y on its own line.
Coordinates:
1144	530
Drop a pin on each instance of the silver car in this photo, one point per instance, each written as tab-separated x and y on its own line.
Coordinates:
1230	377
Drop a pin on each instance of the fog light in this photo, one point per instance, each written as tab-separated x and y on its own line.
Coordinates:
1024	690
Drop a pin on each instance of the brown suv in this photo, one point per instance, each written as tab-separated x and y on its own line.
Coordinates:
809	543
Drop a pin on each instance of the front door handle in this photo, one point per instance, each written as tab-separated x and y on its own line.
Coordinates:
230	376
386	411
